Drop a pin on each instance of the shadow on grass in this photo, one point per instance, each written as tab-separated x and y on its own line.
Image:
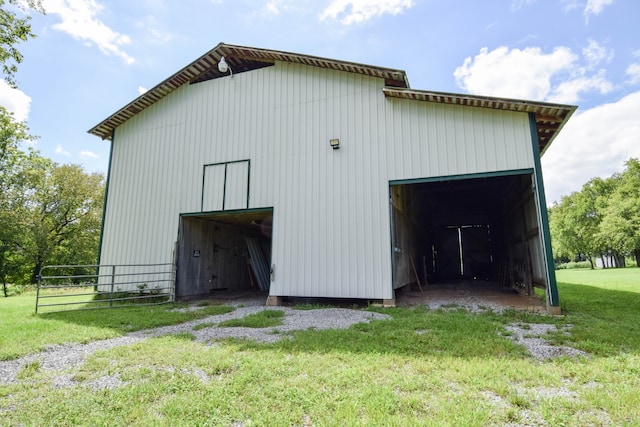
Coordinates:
604	323
135	318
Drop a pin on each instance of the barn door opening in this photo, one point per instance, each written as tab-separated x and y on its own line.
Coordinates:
476	229
462	251
224	252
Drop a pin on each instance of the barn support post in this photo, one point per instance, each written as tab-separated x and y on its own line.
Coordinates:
106	194
553	301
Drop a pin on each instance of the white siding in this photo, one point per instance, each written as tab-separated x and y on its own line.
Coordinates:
331	226
213	188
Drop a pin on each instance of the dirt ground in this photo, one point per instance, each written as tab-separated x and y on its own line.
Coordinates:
472	295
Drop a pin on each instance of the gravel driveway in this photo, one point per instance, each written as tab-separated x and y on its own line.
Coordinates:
63	357
67	356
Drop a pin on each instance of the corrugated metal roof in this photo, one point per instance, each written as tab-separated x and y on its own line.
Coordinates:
550	118
240	59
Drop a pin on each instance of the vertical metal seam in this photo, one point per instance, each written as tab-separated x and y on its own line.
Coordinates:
224	185
248	180
204	171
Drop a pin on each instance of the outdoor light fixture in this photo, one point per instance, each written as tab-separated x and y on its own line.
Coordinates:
223	67
334	143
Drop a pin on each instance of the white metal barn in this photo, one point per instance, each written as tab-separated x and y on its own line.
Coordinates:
314	177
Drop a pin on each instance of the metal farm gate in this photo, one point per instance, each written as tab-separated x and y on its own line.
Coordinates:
83	287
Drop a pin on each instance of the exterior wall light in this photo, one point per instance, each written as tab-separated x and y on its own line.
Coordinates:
223	67
334	143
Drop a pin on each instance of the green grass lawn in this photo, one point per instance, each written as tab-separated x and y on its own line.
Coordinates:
421	367
24	332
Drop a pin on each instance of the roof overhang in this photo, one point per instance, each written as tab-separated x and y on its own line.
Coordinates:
240	59
550	118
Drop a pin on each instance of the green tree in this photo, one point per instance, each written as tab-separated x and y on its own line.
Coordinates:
620	226
67	210
49	213
575	221
14	214
13	31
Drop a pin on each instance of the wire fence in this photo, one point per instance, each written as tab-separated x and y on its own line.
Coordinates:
83	287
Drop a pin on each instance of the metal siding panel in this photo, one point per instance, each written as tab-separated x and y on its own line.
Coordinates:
236	186
331	227
213	188
460	140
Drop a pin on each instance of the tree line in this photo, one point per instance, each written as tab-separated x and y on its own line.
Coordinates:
50	213
600	221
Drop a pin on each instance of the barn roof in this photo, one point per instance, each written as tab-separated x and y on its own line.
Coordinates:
549	117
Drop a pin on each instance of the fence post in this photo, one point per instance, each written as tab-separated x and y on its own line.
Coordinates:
113	280
38	290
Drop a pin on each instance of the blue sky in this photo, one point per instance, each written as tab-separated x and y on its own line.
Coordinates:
91	57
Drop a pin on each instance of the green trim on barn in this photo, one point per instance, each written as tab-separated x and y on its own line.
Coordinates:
459	177
552	286
106	194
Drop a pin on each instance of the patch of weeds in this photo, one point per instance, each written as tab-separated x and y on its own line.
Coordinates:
309	306
520	401
452	305
512	415
214	310
526	326
203	303
203	326
29	370
262	319
187	336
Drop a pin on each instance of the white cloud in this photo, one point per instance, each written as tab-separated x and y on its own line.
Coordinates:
358	11
518	4
513	73
595	53
570	5
532	74
568	92
15	101
78	19
633	71
61	150
150	25
86	154
594	143
595	7
271	8
142	90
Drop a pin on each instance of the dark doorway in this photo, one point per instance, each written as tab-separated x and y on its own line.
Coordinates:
472	230
223	252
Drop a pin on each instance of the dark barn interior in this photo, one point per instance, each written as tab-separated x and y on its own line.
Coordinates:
477	231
